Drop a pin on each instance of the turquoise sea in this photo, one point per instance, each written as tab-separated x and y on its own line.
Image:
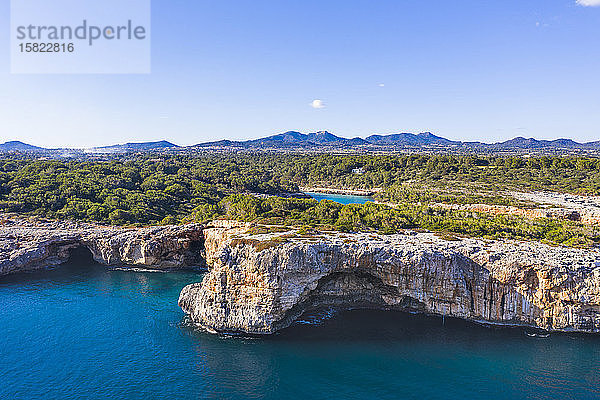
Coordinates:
82	331
340	198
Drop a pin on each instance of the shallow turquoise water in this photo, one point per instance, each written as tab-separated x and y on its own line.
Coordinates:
340	198
85	332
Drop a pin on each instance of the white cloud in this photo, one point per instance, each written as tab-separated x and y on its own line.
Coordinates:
317	104
381	84
589	3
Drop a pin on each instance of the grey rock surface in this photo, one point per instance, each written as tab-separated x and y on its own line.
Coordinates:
28	244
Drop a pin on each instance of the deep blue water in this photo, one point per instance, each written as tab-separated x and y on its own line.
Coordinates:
340	198
83	331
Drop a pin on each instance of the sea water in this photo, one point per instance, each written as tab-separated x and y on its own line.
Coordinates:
85	331
340	198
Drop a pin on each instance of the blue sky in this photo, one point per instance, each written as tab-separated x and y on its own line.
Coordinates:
466	70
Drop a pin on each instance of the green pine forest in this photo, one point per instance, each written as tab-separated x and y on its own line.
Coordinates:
141	190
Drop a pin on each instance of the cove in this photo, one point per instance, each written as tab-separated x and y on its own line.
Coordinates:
340	198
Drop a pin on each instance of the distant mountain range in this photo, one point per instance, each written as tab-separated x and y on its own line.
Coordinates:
523	143
16	146
133	147
397	141
19	146
290	139
327	141
323	138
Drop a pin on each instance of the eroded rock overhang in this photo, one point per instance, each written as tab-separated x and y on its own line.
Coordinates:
262	283
27	245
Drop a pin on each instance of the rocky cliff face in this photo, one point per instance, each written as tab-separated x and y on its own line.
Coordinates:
259	283
27	245
262	283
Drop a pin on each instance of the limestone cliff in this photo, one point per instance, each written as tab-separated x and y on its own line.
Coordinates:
27	245
262	283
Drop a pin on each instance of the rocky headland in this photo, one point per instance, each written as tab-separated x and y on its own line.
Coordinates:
260	279
260	283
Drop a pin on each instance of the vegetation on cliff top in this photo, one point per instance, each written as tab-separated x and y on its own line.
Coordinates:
380	218
146	190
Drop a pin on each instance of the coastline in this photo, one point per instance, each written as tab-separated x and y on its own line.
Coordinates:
351	192
260	283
